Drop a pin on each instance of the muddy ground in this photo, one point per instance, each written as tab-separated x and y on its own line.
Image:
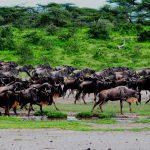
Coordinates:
47	139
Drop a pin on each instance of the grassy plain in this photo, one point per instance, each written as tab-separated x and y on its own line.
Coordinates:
141	111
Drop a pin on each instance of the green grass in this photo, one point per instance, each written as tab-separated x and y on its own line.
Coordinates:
110	108
103	121
81	125
143	121
52	114
81	51
90	114
17	123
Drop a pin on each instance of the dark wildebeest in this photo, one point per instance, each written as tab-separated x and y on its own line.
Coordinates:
121	93
8	100
93	86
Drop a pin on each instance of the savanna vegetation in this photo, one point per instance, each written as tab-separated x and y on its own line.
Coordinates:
115	35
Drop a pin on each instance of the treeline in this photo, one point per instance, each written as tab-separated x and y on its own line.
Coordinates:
122	15
118	12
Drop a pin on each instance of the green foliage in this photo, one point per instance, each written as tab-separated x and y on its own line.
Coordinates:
51	29
143	121
6	38
32	37
67	35
101	29
6	31
38	113
46	44
58	115
52	114
92	114
25	53
72	45
144	36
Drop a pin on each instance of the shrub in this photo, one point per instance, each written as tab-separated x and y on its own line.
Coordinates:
51	29
7	44
99	54
72	45
101	29
6	38
67	35
46	43
33	37
6	32
24	52
144	36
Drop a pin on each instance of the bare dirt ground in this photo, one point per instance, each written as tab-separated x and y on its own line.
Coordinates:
47	139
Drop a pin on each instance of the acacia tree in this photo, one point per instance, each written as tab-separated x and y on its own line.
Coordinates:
126	8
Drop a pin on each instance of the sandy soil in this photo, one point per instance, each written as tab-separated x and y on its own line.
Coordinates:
46	139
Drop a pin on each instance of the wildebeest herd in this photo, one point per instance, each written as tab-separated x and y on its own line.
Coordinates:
44	83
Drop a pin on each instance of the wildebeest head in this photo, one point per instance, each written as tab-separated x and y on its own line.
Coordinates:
57	90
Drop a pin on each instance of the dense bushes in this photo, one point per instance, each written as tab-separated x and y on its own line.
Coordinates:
144	36
51	29
6	38
101	29
32	37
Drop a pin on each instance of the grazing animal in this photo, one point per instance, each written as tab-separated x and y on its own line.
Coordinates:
121	93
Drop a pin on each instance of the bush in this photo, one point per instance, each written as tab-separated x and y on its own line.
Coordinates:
6	32
25	53
46	43
101	29
144	36
67	35
73	45
51	29
99	54
6	38
33	38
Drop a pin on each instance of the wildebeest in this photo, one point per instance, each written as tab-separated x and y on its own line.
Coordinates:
121	93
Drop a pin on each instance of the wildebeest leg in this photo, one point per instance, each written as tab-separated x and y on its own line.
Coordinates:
15	110
7	110
121	105
69	93
96	103
147	101
29	109
130	107
55	106
95	97
100	106
83	96
77	96
25	106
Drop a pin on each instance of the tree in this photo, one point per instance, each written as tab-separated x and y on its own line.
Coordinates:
143	12
126	8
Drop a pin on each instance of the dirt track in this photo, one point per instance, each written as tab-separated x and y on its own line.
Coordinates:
47	139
